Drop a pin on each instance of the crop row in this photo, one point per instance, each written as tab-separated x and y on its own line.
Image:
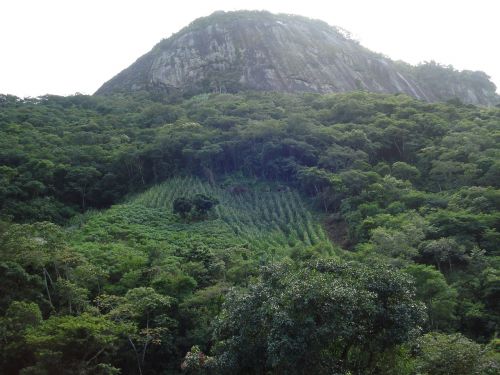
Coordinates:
269	218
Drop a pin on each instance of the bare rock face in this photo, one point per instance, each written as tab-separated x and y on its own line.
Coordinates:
234	51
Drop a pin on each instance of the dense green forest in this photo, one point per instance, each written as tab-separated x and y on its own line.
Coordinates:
251	233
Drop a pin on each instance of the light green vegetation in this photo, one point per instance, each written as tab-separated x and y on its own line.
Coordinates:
260	217
260	225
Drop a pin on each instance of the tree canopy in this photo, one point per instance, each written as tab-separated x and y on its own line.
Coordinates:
252	233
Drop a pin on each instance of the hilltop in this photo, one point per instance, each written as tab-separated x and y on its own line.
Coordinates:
257	50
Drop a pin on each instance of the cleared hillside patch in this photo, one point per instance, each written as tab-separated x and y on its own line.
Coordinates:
261	224
260	217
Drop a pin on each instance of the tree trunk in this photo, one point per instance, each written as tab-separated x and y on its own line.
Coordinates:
136	355
47	286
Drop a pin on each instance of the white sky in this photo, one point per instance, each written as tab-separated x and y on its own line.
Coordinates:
67	46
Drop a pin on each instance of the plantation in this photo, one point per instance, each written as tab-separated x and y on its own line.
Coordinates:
263	223
260	217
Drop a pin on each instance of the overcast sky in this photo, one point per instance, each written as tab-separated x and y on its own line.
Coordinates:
68	46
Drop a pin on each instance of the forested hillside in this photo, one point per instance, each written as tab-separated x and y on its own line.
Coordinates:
250	233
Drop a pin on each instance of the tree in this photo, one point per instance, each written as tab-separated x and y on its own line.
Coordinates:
15	353
393	243
445	250
182	206
492	176
326	186
440	354
439	298
200	203
16	285
83	344
81	179
41	249
145	310
196	362
71	296
325	318
405	171
203	203
399	236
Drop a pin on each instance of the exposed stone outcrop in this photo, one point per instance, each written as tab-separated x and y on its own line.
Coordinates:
261	51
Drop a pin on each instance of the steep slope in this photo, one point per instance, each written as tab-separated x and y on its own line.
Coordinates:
233	51
261	219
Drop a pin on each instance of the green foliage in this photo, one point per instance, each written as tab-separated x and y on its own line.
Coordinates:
203	203
182	206
404	171
19	317
325	318
74	344
80	151
440	354
196	362
198	206
262	216
146	311
398	183
438	296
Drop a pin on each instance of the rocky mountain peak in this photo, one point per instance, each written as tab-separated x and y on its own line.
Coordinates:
256	50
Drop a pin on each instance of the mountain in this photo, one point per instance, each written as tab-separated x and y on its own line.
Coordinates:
257	50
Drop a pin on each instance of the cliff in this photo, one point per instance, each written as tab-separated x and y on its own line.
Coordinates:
249	50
